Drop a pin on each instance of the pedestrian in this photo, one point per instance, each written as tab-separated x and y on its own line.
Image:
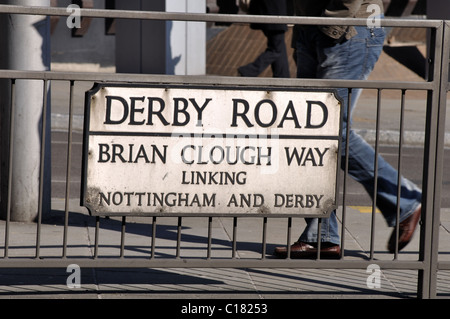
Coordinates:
350	53
275	54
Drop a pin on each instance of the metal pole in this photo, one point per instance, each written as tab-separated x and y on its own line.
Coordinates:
25	45
438	10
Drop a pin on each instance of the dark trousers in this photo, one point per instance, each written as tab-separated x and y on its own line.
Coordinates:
275	55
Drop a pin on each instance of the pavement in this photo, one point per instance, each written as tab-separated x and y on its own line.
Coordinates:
201	283
196	286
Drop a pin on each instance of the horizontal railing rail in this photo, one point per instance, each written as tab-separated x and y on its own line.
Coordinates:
211	17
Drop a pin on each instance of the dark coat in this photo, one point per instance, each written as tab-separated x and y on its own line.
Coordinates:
268	7
336	9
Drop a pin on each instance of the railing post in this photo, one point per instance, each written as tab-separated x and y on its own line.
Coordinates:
433	163
442	95
25	45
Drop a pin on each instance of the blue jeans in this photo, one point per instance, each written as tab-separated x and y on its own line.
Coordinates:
354	59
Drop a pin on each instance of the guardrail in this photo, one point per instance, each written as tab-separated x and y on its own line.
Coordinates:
427	263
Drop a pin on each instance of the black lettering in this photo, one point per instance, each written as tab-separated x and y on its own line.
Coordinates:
117	151
183	199
201	178
127	195
232	201
310	157
258	200
241	114
170	202
309	113
139	195
229	162
295	154
289	200
299	201
130	153
141	154
183	150
257	113
243	180
183	178
221	154
156	151
117	198
177	110
318	199
252	158
158	113
245	199
103	150
309	201
212	178
321	154
209	202
133	110
268	156
199	110
122	103
105	199
156	198
290	109
200	153
279	200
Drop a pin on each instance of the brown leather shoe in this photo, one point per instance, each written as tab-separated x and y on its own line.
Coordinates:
302	250
406	231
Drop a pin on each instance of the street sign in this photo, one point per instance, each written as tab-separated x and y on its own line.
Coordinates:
176	150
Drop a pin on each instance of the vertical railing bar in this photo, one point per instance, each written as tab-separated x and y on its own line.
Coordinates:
68	165
208	252
233	253
399	169
375	172
41	169
10	164
344	196
97	231
152	255
122	236
319	237
177	255
264	238
288	239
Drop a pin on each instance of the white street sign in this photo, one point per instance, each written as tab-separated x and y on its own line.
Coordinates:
167	150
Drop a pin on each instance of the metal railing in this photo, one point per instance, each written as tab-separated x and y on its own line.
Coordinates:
436	87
